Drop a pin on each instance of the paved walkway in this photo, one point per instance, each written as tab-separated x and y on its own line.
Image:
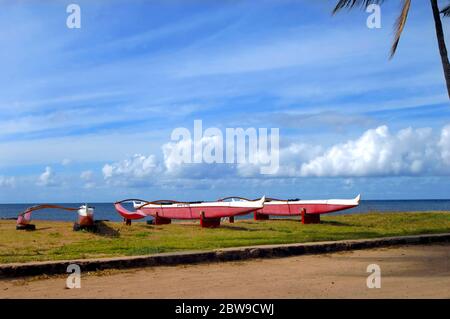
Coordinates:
406	272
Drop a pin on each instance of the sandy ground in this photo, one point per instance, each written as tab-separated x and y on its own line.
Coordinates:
406	272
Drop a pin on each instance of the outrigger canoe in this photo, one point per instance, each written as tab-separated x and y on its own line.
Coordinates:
209	213
310	210
85	216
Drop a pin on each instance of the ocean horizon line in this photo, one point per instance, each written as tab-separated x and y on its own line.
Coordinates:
112	202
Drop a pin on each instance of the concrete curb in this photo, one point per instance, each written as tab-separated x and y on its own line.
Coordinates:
219	255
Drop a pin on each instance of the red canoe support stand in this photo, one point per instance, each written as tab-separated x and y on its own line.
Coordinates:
306	218
231	219
310	218
161	220
209	222
257	216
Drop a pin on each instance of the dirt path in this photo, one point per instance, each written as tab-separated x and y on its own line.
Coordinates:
407	272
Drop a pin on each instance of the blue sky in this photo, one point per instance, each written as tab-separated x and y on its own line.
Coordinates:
75	101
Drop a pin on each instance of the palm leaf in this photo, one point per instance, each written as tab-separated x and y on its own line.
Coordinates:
354	3
446	11
400	25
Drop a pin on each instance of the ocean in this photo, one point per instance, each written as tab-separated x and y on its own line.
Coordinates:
106	211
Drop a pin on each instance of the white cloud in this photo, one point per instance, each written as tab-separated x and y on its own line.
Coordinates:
378	152
139	169
215	161
175	152
107	171
444	144
179	157
291	158
47	178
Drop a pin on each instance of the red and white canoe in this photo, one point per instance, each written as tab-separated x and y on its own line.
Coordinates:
294	207
209	213
310	210
85	216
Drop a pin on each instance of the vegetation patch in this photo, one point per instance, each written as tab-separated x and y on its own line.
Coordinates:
57	241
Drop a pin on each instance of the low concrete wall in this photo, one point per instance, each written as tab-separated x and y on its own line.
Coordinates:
219	255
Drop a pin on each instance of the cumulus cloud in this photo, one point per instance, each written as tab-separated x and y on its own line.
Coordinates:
176	154
444	144
181	160
135	170
378	152
294	155
47	178
240	151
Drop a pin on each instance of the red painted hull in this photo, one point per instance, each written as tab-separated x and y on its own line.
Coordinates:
127	214
296	209
85	220
195	212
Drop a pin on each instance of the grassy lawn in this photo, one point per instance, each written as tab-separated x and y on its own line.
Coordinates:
56	240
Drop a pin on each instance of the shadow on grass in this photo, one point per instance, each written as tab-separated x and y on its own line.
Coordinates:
335	223
240	228
105	231
325	222
192	225
284	220
41	228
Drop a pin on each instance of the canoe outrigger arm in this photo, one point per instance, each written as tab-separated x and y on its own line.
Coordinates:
127	215
85	216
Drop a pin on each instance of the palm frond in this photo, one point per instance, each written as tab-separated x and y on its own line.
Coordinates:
400	25
446	11
354	3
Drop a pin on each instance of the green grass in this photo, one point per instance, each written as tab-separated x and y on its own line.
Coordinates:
56	240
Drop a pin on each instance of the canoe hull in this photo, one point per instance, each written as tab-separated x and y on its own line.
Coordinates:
85	220
196	212
126	214
291	208
296	209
